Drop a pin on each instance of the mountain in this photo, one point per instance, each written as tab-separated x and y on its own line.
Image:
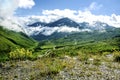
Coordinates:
11	39
84	25
58	23
96	25
64	25
100	26
63	22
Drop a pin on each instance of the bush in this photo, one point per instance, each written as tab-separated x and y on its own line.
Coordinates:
20	54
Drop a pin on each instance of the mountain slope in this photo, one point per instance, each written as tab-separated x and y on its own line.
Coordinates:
10	40
63	22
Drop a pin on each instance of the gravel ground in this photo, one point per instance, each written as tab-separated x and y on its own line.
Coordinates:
90	72
24	70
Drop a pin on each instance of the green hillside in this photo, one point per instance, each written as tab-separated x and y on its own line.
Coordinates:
9	40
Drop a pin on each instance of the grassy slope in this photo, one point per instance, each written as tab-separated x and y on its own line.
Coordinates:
10	40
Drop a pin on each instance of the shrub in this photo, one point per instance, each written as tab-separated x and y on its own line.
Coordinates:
20	54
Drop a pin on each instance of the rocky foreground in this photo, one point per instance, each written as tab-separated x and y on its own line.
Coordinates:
67	68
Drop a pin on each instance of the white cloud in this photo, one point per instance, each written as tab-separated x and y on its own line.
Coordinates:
93	6
7	10
26	4
7	23
51	15
7	7
68	29
55	12
50	30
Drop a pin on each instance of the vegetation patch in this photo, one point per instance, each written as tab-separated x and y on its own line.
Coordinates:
20	54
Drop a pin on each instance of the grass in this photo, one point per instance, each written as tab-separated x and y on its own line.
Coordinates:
4	57
51	66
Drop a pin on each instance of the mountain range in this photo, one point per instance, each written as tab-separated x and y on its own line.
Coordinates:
64	26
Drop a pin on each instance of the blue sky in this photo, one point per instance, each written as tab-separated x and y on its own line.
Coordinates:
107	7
